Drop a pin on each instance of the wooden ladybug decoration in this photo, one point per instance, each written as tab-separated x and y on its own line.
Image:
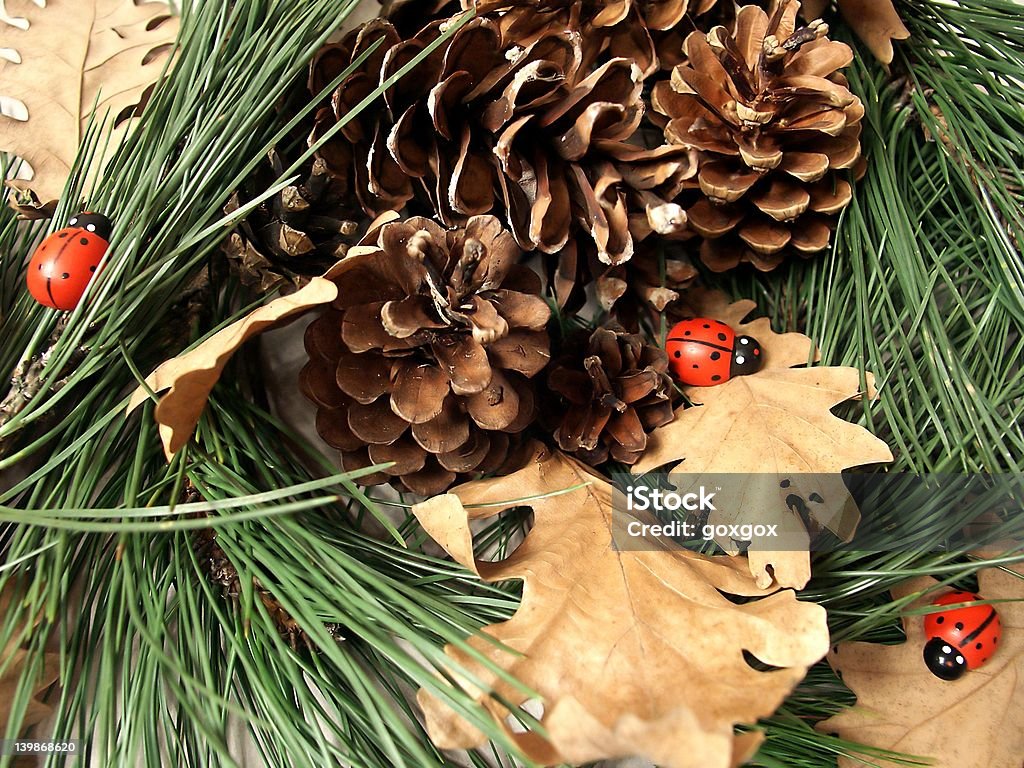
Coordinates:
704	352
65	262
960	639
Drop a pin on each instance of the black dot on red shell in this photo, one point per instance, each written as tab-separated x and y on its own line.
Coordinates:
65	276
62	234
707	325
977	646
92	268
695	366
84	241
687	333
716	355
678	353
959	626
940	620
40	267
716	377
722	337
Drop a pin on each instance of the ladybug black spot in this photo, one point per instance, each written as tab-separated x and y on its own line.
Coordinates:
695	366
40	267
940	620
716	355
978	646
959	626
678	353
722	337
707	325
716	377
62	234
93	269
84	241
687	333
65	276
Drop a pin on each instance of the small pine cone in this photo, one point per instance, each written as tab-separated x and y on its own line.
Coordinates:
613	392
426	357
774	125
294	235
488	124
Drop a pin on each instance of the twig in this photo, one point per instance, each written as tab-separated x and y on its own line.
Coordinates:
27	382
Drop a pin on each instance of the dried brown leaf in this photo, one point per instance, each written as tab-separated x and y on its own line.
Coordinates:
13	659
974	722
630	652
876	22
191	376
787	429
65	58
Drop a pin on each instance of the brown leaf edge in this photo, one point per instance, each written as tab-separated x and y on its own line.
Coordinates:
190	377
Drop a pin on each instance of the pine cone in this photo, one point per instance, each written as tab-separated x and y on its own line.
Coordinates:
613	392
774	124
425	358
295	235
486	124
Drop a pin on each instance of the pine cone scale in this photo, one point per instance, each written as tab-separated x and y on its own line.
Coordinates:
419	392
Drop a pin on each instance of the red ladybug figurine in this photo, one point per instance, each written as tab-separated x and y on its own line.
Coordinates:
65	262
704	352
960	639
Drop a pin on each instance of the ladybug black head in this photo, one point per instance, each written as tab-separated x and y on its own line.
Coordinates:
944	660
93	222
747	356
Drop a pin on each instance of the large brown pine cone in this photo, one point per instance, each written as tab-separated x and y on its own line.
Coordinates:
610	394
488	124
426	357
775	127
294	235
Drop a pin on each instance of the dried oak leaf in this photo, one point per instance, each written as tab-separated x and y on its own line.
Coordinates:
13	659
777	422
631	652
876	22
63	57
190	377
974	722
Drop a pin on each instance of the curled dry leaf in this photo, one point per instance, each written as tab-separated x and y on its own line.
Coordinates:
13	659
876	22
787	429
63	57
631	652
974	722
190	377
